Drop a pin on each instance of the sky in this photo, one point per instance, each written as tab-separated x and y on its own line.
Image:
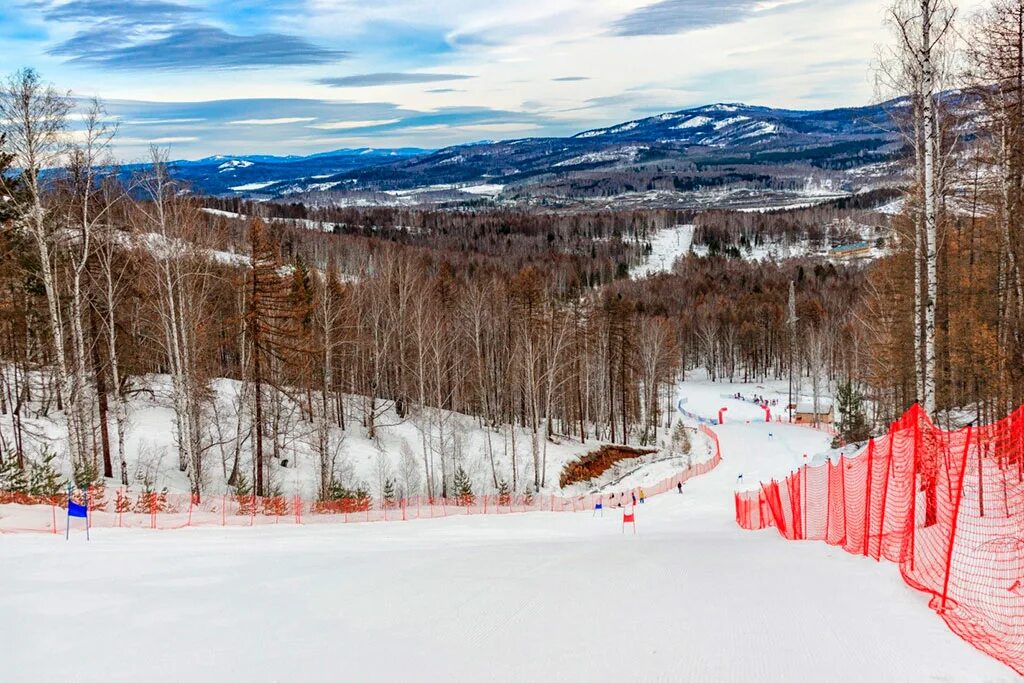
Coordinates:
234	77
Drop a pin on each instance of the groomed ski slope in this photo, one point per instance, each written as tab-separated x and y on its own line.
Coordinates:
513	598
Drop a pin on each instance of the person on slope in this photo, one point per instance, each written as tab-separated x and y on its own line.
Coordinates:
679	485
642	496
633	493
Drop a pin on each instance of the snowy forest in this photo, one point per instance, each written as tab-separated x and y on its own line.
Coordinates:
346	318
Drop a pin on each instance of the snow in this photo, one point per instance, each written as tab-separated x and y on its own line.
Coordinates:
250	187
721	107
667	246
626	127
490	189
731	121
163	247
223	214
759	129
234	164
150	446
695	122
893	208
621	154
539	596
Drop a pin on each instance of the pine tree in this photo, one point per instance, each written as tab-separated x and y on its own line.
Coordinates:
681	439
463	487
87	477
389	493
44	479
12	477
504	493
853	426
243	494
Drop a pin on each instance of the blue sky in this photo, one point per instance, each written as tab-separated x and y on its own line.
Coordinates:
300	76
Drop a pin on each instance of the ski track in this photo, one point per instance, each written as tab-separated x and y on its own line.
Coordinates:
538	596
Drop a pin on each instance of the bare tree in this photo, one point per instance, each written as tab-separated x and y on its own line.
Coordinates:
34	117
924	31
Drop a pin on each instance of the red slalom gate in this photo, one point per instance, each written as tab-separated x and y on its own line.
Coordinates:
947	507
20	513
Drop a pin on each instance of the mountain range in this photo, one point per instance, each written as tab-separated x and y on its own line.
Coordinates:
699	149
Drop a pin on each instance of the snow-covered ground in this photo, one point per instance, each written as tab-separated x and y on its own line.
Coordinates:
667	246
540	596
152	454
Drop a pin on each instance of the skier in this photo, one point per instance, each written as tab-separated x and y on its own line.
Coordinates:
642	496
633	493
680	487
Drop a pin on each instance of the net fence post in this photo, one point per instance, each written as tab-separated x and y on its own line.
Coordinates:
867	497
885	499
842	486
828	497
953	523
913	490
804	502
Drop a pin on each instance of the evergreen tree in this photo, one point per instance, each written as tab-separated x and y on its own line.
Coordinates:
853	426
44	479
504	493
463	487
389	492
12	477
681	439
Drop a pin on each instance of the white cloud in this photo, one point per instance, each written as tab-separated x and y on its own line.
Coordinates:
346	125
272	122
171	140
497	127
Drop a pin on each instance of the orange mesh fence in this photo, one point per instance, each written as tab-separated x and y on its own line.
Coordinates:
946	506
160	510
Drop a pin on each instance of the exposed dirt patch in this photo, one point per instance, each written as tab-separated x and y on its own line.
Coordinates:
596	463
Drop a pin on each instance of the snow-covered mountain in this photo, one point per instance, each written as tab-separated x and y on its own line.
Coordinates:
248	174
701	147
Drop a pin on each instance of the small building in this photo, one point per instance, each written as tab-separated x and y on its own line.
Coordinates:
804	413
851	251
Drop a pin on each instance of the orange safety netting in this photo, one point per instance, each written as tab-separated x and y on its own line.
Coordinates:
947	507
158	510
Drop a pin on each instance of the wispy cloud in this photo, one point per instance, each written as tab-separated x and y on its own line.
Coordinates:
371	80
161	35
173	140
272	122
193	46
678	16
135	11
286	125
349	125
570	79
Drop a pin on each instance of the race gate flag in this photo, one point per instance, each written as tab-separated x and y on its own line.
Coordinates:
628	518
76	510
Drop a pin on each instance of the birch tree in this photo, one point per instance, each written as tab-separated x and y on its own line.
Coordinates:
34	117
924	30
